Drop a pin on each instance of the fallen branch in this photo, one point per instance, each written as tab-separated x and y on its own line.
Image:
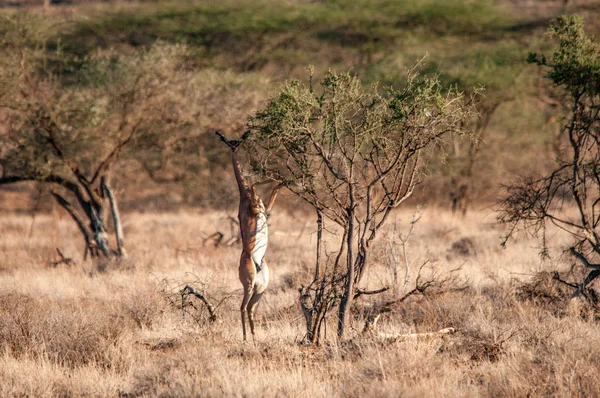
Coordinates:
422	287
557	278
190	290
63	259
392	337
360	292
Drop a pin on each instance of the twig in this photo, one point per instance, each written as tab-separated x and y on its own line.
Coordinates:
404	241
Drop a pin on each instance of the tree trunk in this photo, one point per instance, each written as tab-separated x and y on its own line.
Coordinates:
65	204
100	235
114	209
346	302
89	219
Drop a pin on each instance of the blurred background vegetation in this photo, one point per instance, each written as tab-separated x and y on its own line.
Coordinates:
232	55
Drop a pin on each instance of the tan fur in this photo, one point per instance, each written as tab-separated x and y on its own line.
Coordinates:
253	280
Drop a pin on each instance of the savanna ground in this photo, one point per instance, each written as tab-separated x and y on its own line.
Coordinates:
119	329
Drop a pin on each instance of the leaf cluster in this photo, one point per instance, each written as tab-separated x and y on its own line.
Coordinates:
575	64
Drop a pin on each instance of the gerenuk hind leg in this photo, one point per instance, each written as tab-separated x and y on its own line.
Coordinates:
251	307
244	309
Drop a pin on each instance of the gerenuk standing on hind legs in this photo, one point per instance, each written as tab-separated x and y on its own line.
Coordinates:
254	272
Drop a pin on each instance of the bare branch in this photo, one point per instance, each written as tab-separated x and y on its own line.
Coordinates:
582	258
113	155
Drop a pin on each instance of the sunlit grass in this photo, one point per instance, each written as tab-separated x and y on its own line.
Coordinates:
80	329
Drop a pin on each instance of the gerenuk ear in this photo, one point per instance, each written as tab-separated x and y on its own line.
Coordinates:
222	138
233	144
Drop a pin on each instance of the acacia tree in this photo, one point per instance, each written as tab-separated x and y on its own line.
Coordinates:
354	154
68	127
574	68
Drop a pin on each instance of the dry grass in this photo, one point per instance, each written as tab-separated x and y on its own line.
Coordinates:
111	330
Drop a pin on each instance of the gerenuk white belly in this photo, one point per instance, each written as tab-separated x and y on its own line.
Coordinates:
261	237
261	279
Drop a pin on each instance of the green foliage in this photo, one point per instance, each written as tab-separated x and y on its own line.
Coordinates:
575	65
246	34
453	17
334	145
241	18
